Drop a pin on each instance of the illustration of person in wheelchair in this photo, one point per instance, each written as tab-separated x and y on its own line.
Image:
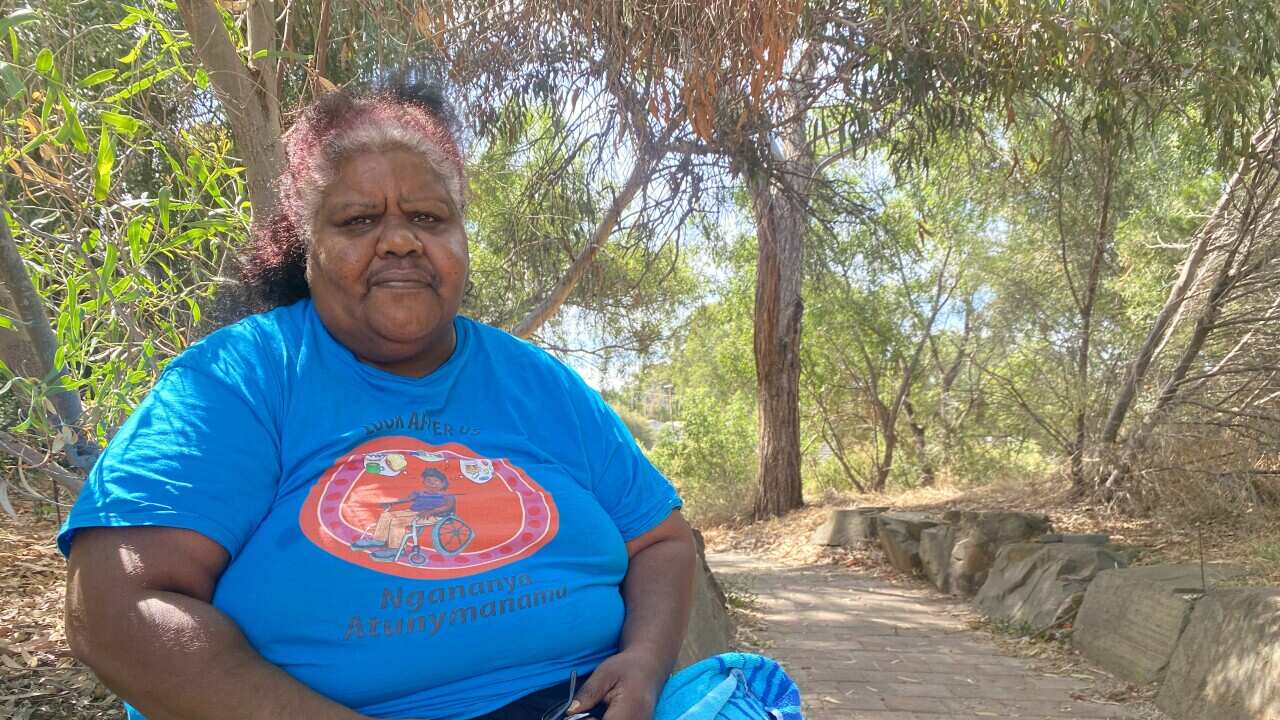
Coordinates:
430	519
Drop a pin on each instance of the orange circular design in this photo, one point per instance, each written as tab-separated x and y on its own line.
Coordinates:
430	512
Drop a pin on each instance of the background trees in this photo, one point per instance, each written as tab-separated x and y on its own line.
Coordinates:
813	244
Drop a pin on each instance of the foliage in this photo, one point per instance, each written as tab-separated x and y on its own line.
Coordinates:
710	455
639	427
124	202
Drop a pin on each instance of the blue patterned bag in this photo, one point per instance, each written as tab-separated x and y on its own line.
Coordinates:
732	686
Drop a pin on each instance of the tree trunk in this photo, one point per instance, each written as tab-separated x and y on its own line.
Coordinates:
1158	333
35	323
927	477
1249	209
246	92
42	348
885	467
951	373
780	224
1102	240
780	203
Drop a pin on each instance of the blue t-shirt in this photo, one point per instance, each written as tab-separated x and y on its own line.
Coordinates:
411	548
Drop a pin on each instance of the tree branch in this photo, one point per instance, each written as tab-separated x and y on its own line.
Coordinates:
538	316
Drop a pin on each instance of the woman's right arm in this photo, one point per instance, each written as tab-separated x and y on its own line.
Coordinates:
139	614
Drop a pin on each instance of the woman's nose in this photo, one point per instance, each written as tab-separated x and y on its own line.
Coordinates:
398	237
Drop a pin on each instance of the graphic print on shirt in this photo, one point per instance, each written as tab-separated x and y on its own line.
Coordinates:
429	512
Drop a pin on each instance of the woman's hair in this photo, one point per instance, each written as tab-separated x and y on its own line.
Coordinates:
416	117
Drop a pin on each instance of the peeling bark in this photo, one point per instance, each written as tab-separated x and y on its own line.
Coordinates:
781	221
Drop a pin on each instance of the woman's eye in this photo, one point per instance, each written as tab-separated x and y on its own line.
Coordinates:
424	217
357	220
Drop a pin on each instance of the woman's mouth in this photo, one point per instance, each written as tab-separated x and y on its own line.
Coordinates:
400	280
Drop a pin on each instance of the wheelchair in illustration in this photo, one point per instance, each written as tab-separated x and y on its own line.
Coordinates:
410	536
399	535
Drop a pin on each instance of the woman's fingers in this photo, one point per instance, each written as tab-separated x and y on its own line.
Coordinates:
594	690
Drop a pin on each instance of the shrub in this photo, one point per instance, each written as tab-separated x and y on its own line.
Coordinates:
710	455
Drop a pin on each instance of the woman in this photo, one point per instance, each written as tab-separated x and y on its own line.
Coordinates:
222	553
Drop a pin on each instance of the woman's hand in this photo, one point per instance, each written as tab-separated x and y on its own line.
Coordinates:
628	683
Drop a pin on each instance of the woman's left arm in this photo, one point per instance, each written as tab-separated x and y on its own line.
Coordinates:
658	592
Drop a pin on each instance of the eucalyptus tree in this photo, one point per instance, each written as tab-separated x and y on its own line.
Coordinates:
119	203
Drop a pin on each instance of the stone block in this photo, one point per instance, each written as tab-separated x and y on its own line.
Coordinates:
710	629
899	534
913	523
1227	663
1042	585
1131	619
935	555
979	534
848	527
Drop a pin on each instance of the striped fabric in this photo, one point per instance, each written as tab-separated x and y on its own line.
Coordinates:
732	686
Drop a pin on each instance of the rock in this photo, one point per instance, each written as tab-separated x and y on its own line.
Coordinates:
978	537
935	555
1076	538
848	527
899	534
1131	619
1227	663
914	522
1041	585
710	629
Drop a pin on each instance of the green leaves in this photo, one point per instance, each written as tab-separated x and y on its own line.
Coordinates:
105	163
73	129
99	77
44	61
121	123
141	85
132	55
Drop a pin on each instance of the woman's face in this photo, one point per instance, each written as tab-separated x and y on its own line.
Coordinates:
387	263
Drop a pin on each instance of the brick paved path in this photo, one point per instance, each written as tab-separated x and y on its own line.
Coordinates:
862	648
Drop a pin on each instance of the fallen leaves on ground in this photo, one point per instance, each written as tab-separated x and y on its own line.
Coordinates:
39	680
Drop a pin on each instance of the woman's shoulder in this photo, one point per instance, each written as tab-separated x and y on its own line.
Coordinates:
254	343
